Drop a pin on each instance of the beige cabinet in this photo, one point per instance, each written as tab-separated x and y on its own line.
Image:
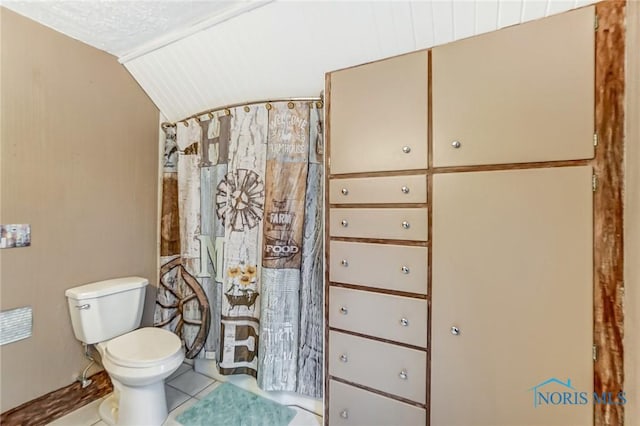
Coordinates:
459	296
521	94
378	228
512	296
378	116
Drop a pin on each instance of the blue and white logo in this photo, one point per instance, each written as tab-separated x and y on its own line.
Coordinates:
546	393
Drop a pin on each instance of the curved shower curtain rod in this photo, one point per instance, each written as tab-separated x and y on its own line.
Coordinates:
319	100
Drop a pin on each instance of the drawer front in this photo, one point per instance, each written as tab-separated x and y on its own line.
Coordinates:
387	189
397	318
395	224
382	366
351	406
402	268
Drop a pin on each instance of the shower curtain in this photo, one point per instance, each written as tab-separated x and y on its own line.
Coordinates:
241	242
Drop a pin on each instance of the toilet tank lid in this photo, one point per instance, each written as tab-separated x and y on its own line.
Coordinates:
102	288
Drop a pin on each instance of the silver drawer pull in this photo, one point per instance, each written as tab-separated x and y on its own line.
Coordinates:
344	310
404	322
405	224
405	189
344	358
455	330
406	149
344	414
405	269
344	223
344	191
344	262
403	375
83	307
456	144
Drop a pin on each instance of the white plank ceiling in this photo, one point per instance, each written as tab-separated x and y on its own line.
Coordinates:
267	50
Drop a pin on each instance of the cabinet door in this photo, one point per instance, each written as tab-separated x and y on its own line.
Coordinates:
378	116
521	94
512	270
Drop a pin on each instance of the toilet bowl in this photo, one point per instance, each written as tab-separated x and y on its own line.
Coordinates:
137	363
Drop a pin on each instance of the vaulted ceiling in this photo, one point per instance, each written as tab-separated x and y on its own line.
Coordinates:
191	56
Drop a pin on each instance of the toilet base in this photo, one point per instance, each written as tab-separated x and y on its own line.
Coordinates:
108	409
135	406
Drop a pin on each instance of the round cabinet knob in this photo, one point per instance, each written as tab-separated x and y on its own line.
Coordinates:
344	262
344	223
406	149
404	322
344	310
456	144
344	191
455	330
405	269
405	189
344	414
403	375
405	224
344	358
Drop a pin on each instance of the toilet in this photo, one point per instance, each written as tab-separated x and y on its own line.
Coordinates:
107	314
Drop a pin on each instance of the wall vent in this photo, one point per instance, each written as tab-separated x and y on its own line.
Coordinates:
15	324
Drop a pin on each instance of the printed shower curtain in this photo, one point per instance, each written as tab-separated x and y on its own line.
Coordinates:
241	242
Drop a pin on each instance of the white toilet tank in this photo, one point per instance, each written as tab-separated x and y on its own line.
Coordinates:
105	309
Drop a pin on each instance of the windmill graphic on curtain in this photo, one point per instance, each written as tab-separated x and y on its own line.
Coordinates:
241	248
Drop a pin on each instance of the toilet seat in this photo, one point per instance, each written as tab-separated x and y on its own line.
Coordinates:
144	347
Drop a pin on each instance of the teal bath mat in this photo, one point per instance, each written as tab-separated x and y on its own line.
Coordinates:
228	405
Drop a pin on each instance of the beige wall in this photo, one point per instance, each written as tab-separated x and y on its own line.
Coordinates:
632	217
79	155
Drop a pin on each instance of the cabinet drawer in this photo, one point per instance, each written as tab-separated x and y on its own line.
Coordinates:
351	406
389	368
395	224
402	268
387	189
397	318
377	111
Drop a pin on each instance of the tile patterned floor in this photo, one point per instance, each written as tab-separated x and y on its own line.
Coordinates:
183	389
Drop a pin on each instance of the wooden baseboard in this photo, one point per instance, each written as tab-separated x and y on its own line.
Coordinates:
56	404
